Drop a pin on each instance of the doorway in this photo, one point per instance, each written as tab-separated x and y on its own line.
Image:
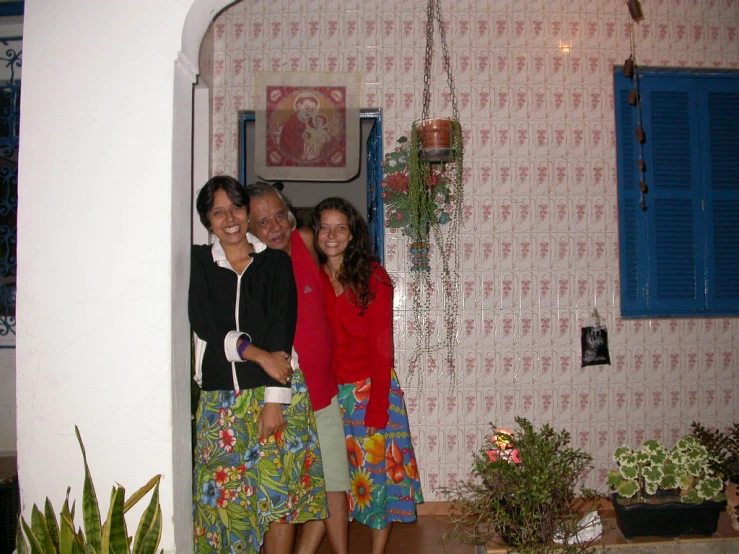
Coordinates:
364	191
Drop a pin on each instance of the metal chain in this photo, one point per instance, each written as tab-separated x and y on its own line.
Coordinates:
428	59
449	242
433	12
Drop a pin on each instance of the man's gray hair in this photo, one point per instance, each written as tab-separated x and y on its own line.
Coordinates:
261	189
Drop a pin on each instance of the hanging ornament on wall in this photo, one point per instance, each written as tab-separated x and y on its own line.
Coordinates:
635	10
630	71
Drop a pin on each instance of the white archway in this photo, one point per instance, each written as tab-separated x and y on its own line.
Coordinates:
105	179
199	17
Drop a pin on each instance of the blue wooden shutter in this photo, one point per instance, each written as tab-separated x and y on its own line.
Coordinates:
680	257
674	200
720	99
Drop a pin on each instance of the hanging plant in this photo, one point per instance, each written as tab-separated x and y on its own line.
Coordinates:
417	200
423	198
423	193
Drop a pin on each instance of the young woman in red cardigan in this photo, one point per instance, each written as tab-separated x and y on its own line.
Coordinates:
359	299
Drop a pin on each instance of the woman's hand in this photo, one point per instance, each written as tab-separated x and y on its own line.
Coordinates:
277	365
271	421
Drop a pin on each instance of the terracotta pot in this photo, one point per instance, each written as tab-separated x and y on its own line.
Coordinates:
436	136
732	503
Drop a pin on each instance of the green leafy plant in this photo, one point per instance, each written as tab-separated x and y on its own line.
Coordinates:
49	535
723	445
423	199
654	473
411	212
523	491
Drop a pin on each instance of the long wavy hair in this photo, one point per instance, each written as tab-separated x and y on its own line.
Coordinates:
356	267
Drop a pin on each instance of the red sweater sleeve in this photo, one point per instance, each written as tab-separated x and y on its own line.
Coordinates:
380	314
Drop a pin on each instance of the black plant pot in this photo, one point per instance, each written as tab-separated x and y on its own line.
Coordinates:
671	519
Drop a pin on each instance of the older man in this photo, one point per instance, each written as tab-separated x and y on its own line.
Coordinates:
272	222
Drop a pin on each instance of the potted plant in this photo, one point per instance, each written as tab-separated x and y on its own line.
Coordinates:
48	535
723	445
420	195
423	198
666	492
425	195
523	491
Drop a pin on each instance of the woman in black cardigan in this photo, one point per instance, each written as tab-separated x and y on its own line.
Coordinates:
257	462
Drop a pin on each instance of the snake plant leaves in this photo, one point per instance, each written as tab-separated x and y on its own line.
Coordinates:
20	545
39	522
69	541
33	541
139	494
149	532
47	535
51	523
90	509
114	533
41	530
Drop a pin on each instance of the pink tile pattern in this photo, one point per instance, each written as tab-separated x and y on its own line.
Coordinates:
540	238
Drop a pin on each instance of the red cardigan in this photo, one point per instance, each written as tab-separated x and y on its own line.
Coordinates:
363	344
313	333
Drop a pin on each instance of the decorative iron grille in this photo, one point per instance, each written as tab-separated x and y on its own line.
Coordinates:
10	95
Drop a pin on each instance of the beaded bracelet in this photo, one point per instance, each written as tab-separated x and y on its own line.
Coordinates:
240	348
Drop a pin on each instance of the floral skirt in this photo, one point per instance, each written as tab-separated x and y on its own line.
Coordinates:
382	468
241	483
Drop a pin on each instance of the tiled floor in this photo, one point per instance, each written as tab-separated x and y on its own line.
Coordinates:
724	541
424	536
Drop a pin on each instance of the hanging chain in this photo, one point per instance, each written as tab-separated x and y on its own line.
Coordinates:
433	12
429	58
448	242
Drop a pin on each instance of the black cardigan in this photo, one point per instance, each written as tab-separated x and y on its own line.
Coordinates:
267	312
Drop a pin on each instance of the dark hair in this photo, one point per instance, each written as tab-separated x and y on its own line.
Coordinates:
356	267
234	190
260	189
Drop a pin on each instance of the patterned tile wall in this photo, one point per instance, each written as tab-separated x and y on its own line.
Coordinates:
540	238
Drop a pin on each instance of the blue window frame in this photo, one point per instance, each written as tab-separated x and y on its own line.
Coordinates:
679	250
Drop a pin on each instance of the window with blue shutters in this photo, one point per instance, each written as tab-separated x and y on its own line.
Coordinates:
679	240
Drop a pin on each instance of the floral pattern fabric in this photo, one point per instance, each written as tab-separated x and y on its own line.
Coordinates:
382	468
243	483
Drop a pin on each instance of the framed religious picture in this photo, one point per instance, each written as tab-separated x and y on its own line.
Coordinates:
307	126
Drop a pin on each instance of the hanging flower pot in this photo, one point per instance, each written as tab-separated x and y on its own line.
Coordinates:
437	139
424	195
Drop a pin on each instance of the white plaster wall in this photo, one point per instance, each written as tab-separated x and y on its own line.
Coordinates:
96	301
